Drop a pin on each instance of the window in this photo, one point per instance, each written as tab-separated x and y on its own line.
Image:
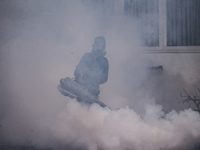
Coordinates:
167	25
146	14
183	23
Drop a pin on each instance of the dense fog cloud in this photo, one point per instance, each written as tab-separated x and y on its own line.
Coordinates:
43	41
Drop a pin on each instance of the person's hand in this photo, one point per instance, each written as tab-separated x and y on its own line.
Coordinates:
62	81
79	80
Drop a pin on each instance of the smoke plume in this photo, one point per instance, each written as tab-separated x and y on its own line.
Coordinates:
43	41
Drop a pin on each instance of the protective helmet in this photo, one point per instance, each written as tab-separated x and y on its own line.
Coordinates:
99	44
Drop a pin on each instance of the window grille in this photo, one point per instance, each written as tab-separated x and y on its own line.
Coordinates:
183	22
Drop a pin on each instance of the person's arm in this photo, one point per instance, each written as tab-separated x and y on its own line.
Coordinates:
81	67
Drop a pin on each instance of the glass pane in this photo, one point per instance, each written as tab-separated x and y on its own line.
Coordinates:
183	22
146	14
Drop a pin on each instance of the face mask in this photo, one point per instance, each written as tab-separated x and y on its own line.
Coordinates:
100	52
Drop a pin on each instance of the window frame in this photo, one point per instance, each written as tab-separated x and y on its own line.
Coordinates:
163	48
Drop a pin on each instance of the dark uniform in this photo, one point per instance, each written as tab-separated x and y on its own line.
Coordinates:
92	69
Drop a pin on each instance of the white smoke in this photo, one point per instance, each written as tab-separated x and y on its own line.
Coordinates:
43	41
96	127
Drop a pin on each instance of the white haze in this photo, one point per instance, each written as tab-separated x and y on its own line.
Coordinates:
43	41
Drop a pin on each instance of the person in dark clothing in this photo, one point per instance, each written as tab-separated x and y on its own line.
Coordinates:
92	69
